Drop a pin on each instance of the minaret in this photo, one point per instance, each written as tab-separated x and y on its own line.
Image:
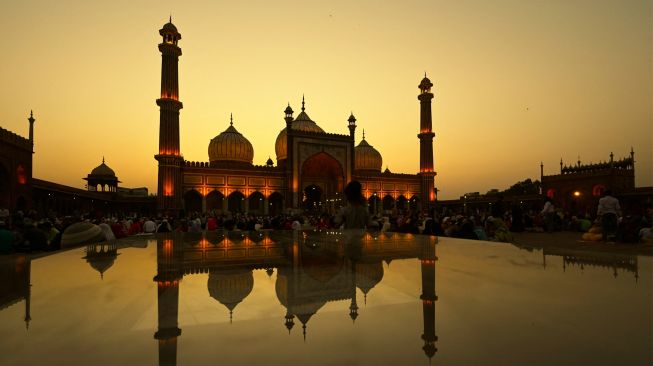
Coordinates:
169	157
31	120
426	145
352	125
352	129
427	260
292	183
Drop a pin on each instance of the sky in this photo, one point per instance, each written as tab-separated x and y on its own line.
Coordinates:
516	82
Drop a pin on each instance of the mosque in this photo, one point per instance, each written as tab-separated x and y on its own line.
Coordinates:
312	165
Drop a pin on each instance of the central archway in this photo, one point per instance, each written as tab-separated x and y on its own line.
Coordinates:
323	174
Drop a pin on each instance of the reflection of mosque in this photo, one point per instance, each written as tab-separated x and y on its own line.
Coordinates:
312	270
582	259
15	284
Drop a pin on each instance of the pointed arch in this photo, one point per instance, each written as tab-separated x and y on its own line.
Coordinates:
214	200
192	201
256	203
236	202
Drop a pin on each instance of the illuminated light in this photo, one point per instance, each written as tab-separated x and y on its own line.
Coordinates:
20	173
167	189
167	247
577	194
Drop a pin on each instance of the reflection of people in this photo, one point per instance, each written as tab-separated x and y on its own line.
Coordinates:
609	211
355	215
549	213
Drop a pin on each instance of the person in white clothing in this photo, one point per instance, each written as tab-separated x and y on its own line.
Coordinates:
609	211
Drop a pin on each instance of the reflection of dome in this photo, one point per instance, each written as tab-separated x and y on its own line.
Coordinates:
101	256
367	157
230	145
368	275
322	266
302	123
231	286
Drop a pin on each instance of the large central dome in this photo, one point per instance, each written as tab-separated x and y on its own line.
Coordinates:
302	123
230	146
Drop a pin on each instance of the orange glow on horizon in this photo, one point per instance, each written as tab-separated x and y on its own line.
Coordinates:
481	113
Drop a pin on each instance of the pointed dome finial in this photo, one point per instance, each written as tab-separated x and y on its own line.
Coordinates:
231	119
170	20
363	134
102	159
303	107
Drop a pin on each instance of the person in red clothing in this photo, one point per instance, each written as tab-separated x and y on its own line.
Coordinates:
118	230
211	224
136	227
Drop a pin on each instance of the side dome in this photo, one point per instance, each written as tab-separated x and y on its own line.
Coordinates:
302	123
230	146
367	157
103	170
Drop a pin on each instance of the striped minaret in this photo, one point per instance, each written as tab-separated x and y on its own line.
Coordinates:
169	158
426	171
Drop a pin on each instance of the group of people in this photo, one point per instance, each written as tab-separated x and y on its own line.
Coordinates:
27	231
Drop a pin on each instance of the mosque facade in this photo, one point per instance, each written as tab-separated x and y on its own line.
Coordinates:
312	165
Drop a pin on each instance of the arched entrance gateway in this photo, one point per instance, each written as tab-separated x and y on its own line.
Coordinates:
214	201
236	202
192	201
322	182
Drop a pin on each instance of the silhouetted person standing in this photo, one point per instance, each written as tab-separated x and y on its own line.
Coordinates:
356	214
609	212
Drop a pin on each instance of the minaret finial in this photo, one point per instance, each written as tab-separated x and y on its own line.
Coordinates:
102	159
231	119
303	108
31	113
363	134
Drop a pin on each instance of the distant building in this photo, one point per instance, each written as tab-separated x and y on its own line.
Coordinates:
578	187
312	166
16	168
20	191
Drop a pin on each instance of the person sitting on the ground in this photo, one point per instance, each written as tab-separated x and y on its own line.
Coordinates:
149	227
164	227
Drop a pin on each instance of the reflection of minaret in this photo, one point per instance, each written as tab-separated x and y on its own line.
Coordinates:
169	157
28	296
167	279
353	307
427	259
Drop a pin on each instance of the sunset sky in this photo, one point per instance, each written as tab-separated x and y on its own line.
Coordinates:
516	82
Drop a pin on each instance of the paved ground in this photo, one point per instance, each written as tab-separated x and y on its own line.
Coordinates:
571	240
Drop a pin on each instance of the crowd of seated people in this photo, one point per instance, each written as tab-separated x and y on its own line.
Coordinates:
29	231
